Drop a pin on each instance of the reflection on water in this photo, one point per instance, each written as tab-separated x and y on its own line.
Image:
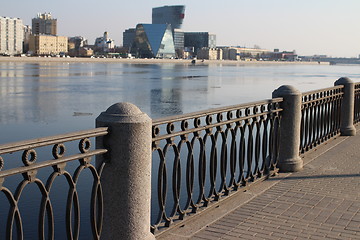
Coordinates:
164	101
40	99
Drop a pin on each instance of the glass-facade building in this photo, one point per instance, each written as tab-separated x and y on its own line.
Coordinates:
153	41
128	37
173	15
198	40
179	39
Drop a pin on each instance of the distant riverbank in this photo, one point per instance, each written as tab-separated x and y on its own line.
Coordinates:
143	61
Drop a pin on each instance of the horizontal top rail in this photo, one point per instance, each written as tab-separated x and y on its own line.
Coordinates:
50	163
322	90
197	121
40	142
213	111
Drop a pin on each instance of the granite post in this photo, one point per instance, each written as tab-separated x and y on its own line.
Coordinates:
126	178
347	127
289	139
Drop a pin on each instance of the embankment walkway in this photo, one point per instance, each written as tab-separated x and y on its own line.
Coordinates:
320	202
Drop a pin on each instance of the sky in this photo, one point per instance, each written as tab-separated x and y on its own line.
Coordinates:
327	27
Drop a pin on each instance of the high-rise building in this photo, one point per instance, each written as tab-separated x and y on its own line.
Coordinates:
198	40
173	15
44	24
179	38
153	41
179	42
11	36
44	39
27	34
128	37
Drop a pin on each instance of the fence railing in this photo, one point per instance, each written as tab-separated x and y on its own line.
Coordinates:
320	118
181	163
357	103
40	177
201	157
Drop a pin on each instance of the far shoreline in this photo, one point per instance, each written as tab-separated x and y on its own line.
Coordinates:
145	61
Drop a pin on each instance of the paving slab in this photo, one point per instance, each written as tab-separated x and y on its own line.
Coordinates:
320	202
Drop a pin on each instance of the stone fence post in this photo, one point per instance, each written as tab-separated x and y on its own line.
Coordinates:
347	127
289	140
126	178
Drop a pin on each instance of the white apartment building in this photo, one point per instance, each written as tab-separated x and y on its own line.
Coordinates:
11	36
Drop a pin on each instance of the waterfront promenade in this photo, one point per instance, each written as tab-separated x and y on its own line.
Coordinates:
48	60
320	202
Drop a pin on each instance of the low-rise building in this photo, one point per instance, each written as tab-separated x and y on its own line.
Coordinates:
104	44
283	56
210	53
48	44
238	53
75	44
230	54
86	52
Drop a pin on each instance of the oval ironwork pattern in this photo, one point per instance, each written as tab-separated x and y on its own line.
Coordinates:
320	116
214	153
32	172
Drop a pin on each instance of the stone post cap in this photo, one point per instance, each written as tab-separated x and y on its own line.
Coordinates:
285	90
343	81
123	112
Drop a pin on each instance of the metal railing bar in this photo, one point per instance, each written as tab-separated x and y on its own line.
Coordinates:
40	142
323	98
214	111
322	90
183	132
50	163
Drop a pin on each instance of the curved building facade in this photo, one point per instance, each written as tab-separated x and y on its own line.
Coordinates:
173	15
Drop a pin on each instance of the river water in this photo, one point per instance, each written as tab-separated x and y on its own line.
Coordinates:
42	99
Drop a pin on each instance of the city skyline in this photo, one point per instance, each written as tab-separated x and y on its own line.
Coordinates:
328	27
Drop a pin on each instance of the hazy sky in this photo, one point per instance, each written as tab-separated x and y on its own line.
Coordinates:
310	27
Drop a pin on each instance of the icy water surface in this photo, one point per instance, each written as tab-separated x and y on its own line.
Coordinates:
46	99
39	100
